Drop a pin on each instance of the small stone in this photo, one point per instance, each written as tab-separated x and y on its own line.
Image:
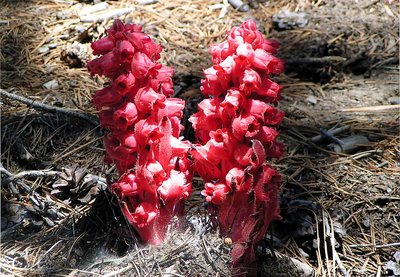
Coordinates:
43	49
394	267
311	99
228	241
62	15
80	28
366	223
303	253
48	221
52	45
52	213
53	84
285	19
397	256
395	100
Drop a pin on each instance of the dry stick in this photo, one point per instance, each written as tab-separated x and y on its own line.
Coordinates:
208	255
334	252
316	60
40	106
105	16
332	240
93	8
29	173
375	246
324	229
333	132
382	108
373	2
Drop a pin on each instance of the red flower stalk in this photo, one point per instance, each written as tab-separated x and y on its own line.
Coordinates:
235	129
143	127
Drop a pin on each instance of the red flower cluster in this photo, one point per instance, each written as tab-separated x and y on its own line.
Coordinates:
235	129
143	129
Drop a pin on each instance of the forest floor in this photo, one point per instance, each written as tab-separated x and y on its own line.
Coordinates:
340	196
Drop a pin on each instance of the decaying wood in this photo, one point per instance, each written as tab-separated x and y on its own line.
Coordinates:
349	144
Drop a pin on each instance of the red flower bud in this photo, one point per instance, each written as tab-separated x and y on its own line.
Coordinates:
106	97
143	66
143	130
250	81
124	51
125	115
124	83
102	46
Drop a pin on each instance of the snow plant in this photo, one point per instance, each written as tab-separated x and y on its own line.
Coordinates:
236	130
142	124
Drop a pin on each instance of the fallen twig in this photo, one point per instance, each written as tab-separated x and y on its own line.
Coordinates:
316	60
382	108
40	106
105	16
146	2
331	132
29	173
348	144
379	246
93	8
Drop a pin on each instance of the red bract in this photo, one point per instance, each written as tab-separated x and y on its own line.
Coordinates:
143	128
235	129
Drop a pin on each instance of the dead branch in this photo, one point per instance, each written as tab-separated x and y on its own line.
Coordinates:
40	106
27	174
377	246
105	16
316	60
382	108
349	144
332	132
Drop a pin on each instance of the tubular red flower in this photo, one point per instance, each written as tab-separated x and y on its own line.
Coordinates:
143	66
106	97
124	83
233	128
250	81
215	193
103	46
106	65
143	128
124	51
125	115
147	99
